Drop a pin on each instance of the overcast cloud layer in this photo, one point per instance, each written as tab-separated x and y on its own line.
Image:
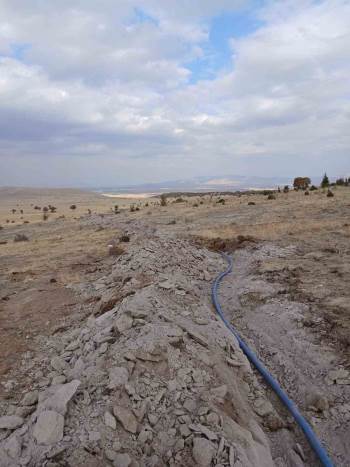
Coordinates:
118	92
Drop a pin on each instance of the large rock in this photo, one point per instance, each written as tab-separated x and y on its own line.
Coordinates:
49	427
57	397
10	422
203	452
126	418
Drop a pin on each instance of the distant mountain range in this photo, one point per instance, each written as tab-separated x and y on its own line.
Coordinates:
202	184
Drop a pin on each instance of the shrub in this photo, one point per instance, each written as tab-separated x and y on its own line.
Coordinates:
45	209
330	194
132	208
13	211
179	200
137	208
307	193
52	208
313	188
271	196
251	203
163	201
195	205
221	201
72	207
45	216
286	189
124	238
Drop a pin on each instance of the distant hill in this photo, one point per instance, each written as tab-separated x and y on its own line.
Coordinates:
202	184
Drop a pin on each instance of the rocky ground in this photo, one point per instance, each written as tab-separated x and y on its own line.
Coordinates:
141	371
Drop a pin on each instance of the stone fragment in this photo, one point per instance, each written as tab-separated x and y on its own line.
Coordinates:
203	452
122	460
184	431
220	391
30	398
13	447
204	430
10	422
110	420
59	364
263	407
49	427
110	454
126	418
123	323
118	377
196	336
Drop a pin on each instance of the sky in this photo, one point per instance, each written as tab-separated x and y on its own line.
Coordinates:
119	92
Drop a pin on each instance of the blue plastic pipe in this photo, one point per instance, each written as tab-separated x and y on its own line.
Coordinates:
320	452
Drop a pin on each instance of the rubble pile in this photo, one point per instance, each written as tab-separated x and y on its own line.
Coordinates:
155	380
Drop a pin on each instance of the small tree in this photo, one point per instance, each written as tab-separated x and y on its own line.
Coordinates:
325	181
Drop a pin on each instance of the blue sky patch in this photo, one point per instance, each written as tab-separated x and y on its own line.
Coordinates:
217	51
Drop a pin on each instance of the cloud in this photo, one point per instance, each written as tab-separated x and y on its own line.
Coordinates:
100	85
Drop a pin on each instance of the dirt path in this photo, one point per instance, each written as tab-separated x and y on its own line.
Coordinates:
278	328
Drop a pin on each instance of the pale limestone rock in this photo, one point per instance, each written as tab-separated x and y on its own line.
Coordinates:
49	427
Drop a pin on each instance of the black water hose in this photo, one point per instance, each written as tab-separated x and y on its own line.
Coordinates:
314	442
